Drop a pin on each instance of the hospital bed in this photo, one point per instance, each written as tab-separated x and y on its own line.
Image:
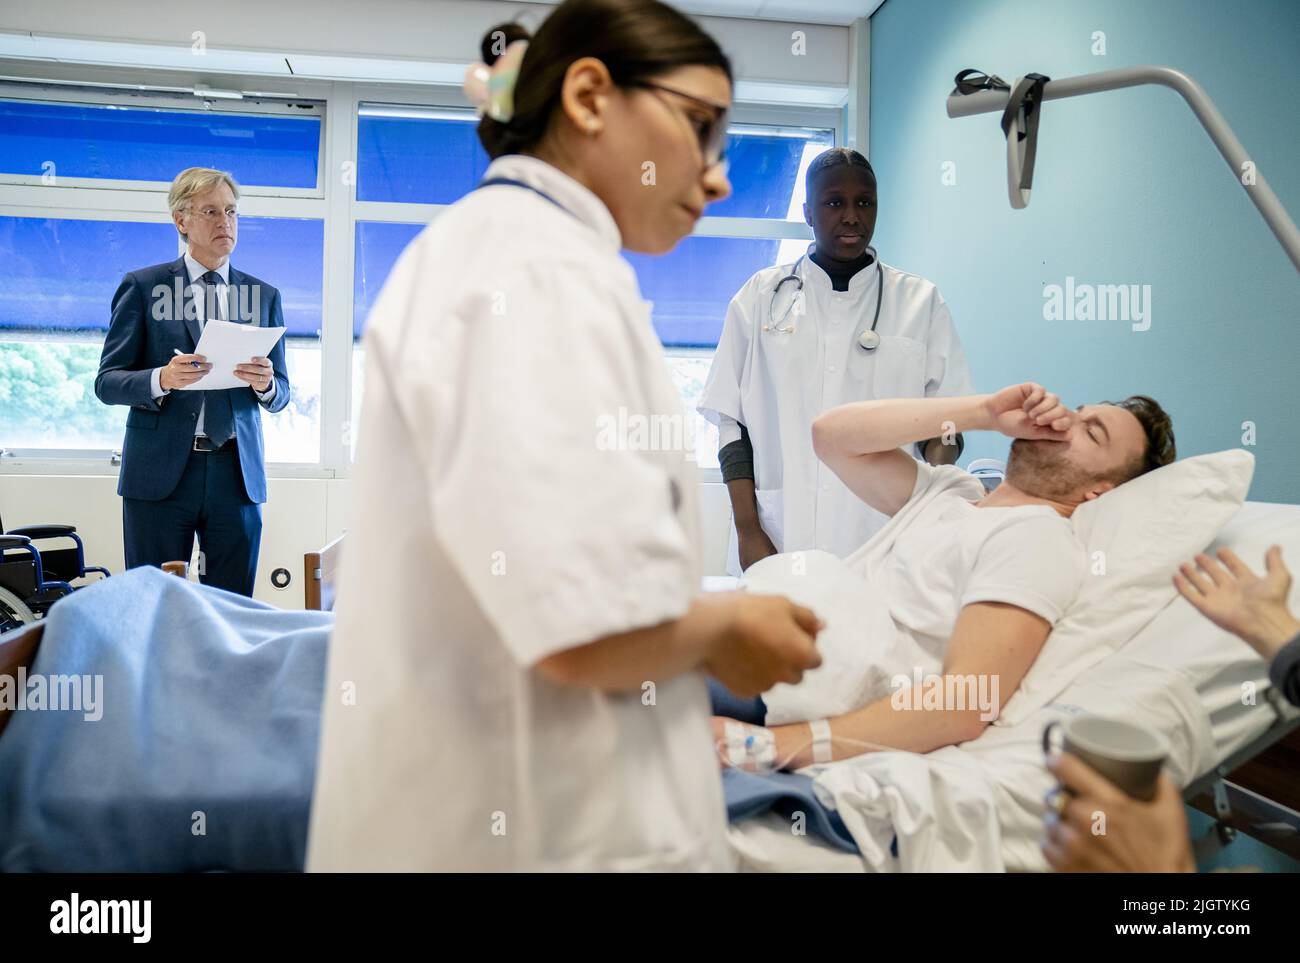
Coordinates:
1236	757
1225	750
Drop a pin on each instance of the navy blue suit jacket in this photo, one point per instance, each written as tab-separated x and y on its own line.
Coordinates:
148	323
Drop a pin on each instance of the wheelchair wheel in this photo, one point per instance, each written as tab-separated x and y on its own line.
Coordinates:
14	613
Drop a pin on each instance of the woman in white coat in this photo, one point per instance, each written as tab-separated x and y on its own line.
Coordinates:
834	327
516	678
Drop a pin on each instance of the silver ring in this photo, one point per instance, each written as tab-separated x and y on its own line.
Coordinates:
1057	799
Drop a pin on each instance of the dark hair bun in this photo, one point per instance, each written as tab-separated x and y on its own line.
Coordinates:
636	40
495	41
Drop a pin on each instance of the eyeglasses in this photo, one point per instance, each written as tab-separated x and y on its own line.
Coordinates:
711	134
217	214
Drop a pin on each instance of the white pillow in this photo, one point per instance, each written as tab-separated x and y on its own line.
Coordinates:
1136	536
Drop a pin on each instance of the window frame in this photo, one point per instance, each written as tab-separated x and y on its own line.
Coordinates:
333	202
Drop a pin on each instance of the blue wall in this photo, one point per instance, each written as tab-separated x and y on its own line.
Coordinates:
1128	189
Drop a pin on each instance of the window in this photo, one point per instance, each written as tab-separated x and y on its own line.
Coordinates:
289	254
691	286
378	246
416	155
57	278
63	252
56	293
690	290
409	155
120	142
766	166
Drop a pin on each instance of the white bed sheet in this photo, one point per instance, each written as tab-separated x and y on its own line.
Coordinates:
1180	674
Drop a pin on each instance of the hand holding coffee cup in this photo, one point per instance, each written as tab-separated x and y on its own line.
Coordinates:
1127	755
1098	819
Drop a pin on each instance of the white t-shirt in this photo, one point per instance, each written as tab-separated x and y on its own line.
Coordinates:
951	553
497	521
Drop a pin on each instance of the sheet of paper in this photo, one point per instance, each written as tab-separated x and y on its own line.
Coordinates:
225	344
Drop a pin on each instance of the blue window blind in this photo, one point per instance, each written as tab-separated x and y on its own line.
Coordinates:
765	170
289	254
417	156
378	245
154	144
60	274
692	286
428	156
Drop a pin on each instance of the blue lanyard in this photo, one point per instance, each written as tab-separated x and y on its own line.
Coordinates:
512	182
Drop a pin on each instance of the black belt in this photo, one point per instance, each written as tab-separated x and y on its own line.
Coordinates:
204	444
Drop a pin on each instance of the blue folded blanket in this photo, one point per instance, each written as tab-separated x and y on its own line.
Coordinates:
204	756
788	794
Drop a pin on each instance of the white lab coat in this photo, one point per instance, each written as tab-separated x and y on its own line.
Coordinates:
776	382
493	525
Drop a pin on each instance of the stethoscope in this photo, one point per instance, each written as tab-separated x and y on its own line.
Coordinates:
868	341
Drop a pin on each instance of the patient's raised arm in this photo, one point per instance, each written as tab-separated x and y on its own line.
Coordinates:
861	442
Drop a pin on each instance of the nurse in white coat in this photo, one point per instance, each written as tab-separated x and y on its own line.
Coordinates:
516	677
801	338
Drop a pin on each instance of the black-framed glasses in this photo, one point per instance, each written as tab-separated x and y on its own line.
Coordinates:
713	134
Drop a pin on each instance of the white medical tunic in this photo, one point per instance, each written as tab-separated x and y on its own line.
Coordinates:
776	372
496	521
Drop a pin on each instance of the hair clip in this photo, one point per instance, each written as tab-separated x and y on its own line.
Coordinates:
492	89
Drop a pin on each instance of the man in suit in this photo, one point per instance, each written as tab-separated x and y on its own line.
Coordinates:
192	461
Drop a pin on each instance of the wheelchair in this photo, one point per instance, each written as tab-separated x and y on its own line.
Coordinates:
31	579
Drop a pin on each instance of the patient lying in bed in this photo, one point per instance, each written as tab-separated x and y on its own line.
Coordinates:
204	755
961	588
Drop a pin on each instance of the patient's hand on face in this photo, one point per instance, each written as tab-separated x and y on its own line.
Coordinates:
1237	600
1029	411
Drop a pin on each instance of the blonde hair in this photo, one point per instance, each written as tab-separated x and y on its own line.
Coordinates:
196	180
